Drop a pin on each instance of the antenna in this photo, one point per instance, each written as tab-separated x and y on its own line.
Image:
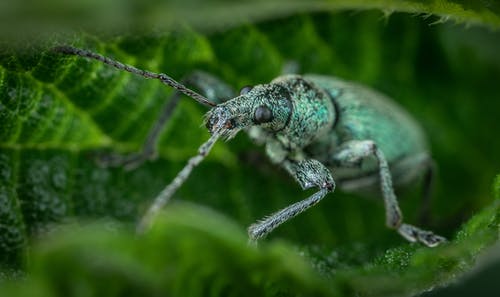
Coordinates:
69	50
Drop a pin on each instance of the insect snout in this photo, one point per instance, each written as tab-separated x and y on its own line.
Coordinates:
218	119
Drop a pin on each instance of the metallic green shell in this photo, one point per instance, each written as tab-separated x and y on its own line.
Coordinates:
365	114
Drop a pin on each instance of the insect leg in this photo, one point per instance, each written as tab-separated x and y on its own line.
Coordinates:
164	197
211	87
417	167
352	154
148	150
308	173
428	183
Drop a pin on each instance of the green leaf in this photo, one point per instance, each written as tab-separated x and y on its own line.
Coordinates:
22	20
57	113
185	256
481	280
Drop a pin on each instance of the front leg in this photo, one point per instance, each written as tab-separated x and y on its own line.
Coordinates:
352	154
308	173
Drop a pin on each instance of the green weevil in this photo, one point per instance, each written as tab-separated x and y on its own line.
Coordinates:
322	130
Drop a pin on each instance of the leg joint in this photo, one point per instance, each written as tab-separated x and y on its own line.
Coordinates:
328	185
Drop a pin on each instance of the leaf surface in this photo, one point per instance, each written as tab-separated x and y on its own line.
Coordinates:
57	113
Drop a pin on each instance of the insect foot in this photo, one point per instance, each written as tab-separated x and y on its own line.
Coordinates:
414	234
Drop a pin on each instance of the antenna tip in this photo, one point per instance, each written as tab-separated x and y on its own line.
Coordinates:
65	49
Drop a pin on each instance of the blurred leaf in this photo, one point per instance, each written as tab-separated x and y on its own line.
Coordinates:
29	19
184	256
57	113
482	280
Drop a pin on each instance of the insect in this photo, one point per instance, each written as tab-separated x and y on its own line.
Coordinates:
322	130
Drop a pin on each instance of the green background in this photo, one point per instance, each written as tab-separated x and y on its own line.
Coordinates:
69	222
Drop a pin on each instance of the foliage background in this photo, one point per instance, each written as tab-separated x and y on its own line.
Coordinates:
57	113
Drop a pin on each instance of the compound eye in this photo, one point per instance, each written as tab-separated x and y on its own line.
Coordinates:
263	115
245	90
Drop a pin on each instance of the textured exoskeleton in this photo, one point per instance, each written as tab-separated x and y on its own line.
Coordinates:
322	130
325	131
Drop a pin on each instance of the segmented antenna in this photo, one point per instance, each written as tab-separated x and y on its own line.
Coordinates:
69	50
181	177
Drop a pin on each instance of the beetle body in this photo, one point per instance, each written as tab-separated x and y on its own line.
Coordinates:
321	130
324	112
363	113
324	131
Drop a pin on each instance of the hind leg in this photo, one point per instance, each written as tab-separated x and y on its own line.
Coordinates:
352	154
423	168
